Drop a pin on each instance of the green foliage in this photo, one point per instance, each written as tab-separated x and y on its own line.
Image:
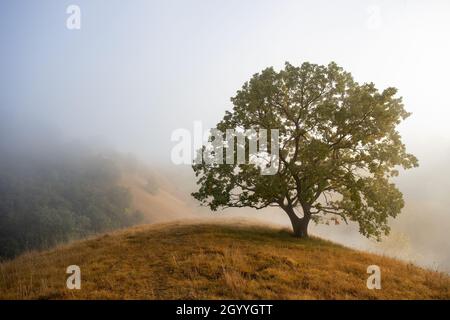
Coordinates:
62	197
339	148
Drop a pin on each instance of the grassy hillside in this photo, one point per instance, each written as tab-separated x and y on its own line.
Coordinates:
163	197
204	261
65	194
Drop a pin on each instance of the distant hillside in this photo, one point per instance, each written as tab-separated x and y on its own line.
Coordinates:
205	261
154	195
59	195
65	192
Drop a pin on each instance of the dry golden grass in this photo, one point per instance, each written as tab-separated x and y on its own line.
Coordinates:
213	261
165	199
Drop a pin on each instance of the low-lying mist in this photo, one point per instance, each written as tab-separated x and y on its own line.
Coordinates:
52	191
420	234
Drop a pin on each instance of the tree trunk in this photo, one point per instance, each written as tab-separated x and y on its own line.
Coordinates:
299	225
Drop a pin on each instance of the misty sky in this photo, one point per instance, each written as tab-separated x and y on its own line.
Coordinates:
137	70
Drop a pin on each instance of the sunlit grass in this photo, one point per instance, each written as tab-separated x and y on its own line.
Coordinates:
209	261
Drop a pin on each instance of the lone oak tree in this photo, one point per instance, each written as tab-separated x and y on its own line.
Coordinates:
338	149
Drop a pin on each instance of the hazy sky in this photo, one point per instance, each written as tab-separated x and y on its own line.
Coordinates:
137	70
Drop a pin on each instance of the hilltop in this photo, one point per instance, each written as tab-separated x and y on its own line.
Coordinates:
212	260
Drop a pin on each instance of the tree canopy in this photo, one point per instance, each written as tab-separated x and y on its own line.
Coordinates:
338	149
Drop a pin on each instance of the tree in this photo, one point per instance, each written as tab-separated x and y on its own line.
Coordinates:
338	150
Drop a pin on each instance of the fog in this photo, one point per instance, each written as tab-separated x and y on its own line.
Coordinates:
137	71
418	235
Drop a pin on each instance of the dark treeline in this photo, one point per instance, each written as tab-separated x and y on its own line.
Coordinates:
50	193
